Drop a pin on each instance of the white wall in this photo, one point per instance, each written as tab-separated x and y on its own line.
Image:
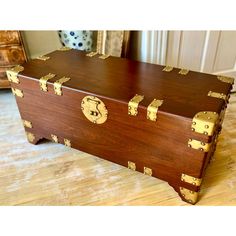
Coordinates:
39	43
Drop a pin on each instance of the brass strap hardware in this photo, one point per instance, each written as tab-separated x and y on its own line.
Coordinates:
205	122
133	105
183	72
191	180
147	171
13	73
54	138
153	108
168	69
91	54
27	124
104	56
94	109
195	144
131	165
58	84
67	142
217	95
30	137
43	58
188	195
17	92
43	81
226	79
65	49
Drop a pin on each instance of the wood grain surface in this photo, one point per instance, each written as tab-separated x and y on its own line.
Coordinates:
52	174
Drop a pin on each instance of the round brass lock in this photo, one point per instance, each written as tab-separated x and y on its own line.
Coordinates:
94	109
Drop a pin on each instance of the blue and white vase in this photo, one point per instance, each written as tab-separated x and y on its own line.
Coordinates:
79	39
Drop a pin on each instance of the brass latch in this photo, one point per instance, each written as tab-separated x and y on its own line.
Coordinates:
131	165
67	142
58	84
91	54
217	95
65	49
225	79
195	144
188	195
104	56
191	180
133	105
17	92
13	73
43	81
54	138
27	124
43	58
147	171
153	108
168	69
204	122
183	72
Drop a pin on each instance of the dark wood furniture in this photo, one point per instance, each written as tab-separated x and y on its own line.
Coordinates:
88	102
11	53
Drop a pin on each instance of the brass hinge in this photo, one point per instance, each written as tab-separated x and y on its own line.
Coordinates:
104	56
191	180
43	58
17	92
204	122
67	142
54	138
153	108
168	69
133	105
183	72
30	137
43	81
147	171
91	54
226	79
58	84
13	73
188	195
65	49
195	144
131	165
27	124
217	95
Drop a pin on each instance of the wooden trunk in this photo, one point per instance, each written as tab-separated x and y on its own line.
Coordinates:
91	109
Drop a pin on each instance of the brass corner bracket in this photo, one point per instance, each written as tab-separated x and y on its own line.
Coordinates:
183	72
91	54
13	73
133	105
43	81
17	92
30	137
226	79
104	56
58	85
204	122
27	124
65	49
188	195
54	138
67	142
153	109
217	95
43	58
131	165
168	68
191	180
147	171
198	145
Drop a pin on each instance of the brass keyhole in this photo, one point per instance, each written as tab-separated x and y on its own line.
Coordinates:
94	109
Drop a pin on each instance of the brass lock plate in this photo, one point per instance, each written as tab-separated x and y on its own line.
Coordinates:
94	109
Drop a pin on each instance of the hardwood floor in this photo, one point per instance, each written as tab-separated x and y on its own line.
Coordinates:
52	174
